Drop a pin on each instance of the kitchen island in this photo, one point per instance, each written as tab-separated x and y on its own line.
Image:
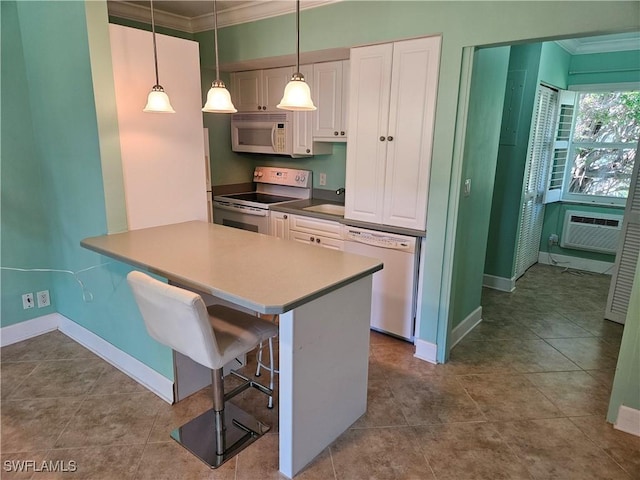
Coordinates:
324	301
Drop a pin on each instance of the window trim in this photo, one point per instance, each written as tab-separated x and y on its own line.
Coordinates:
568	197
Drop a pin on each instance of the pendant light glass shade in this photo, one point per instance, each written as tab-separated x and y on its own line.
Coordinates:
218	97
297	94
157	100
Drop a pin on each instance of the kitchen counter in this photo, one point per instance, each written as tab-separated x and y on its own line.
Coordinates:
324	301
298	208
258	272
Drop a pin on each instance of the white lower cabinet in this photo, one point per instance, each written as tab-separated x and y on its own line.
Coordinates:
315	231
279	225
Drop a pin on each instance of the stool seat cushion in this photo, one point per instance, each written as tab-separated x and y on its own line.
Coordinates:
237	332
179	319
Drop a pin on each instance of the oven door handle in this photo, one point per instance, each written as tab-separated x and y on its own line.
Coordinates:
258	212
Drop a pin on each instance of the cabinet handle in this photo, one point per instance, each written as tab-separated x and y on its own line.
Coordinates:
382	138
311	239
264	107
342	133
317	240
335	133
259	107
390	138
308	151
285	216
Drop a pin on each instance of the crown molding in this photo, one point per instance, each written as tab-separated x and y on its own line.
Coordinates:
606	43
243	13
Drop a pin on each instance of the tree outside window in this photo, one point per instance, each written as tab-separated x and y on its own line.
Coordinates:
603	148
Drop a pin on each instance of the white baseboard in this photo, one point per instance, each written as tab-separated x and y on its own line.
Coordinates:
464	327
628	420
426	351
577	263
141	373
499	283
30	328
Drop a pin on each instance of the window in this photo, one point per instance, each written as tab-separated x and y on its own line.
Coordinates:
602	147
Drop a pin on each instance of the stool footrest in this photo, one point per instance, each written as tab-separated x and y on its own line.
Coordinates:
199	435
248	383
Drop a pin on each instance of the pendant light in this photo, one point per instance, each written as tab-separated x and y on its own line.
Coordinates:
158	100
218	98
297	95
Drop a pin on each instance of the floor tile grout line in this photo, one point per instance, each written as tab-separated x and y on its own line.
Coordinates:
596	444
71	417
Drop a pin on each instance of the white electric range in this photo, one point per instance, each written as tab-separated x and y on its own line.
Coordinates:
250	210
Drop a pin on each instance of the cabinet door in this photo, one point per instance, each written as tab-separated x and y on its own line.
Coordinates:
247	90
273	82
327	93
411	119
344	111
279	225
302	134
369	88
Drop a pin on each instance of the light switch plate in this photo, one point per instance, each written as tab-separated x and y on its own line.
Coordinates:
467	187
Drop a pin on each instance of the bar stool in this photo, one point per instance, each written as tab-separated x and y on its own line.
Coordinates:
270	367
212	337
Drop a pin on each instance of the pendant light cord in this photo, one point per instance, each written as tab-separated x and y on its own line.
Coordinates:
155	53
215	36
298	36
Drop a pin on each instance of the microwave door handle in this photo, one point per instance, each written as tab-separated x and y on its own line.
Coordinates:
273	137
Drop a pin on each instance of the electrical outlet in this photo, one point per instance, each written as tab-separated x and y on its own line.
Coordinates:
43	298
27	301
323	179
553	239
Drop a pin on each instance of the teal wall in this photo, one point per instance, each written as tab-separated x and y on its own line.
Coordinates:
554	65
509	173
480	155
24	214
57	99
626	384
615	67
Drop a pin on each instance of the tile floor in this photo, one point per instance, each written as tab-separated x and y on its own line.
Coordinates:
523	397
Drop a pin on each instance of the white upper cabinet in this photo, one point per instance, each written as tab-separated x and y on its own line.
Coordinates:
303	141
392	95
259	90
330	92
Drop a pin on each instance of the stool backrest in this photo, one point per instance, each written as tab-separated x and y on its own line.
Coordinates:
175	317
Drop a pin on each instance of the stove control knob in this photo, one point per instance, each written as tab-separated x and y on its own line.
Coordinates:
297	178
260	174
302	178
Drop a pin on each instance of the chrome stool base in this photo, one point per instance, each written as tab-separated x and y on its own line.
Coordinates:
199	435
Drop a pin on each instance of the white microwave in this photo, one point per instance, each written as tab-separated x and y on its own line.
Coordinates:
262	132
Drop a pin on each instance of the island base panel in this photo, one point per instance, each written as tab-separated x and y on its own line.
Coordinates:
324	360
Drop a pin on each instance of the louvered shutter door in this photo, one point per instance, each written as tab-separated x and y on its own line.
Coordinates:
541	141
565	117
628	251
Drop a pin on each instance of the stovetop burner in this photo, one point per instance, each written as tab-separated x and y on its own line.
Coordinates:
257	197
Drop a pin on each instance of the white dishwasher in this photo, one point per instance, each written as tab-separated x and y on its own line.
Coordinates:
393	302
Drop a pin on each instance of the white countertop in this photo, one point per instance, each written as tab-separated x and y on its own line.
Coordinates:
262	273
